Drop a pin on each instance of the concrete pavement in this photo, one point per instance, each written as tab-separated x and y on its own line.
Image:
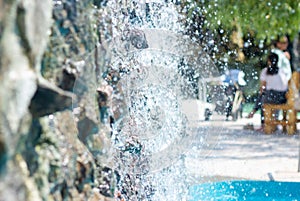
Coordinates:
231	152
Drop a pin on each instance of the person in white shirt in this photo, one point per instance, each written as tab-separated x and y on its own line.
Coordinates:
284	56
274	81
274	85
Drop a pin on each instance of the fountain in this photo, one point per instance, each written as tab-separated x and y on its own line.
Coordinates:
147	70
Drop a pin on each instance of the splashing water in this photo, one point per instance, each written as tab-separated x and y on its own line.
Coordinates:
153	70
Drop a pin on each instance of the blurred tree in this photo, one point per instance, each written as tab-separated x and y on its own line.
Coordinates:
238	34
265	18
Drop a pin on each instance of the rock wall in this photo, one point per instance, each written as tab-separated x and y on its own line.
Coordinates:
43	155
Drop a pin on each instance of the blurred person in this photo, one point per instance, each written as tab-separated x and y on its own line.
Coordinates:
234	82
280	49
273	86
281	45
274	81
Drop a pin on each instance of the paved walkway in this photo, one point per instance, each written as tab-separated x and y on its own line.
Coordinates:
231	152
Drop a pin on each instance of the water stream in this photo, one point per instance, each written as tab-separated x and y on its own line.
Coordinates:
152	69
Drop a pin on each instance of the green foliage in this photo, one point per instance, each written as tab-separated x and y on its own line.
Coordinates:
265	18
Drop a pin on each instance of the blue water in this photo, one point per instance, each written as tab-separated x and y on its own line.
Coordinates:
245	190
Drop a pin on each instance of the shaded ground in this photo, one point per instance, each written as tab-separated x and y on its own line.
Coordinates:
232	152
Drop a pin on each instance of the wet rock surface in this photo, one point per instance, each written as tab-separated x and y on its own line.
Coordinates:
45	153
49	99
